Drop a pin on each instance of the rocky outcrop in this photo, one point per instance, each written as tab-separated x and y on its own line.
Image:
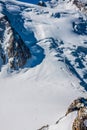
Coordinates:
81	5
80	122
44	127
75	105
41	3
79	105
12	48
79	26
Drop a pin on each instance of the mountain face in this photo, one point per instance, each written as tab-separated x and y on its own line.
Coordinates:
12	48
43	65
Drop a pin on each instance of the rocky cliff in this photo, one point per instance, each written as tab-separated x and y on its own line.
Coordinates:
12	48
79	105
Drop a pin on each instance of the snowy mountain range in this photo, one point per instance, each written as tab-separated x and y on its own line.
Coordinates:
43	65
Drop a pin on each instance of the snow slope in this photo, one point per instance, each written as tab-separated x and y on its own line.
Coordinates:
40	93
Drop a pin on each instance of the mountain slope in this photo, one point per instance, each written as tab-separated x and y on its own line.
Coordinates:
40	92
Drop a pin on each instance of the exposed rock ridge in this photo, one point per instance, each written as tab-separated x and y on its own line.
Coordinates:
12	48
81	5
79	105
80	122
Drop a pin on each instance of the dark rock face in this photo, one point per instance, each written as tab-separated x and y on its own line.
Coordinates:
2	56
56	15
12	48
80	26
44	127
42	3
18	52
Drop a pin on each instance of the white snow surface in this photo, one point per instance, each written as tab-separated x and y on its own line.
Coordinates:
66	123
40	93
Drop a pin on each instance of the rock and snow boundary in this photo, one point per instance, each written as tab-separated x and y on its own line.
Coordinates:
54	76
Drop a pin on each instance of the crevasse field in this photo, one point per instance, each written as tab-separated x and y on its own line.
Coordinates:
40	93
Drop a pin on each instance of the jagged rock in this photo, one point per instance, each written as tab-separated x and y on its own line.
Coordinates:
81	5
12	48
76	105
80	121
44	127
79	105
78	3
41	3
80	26
56	15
